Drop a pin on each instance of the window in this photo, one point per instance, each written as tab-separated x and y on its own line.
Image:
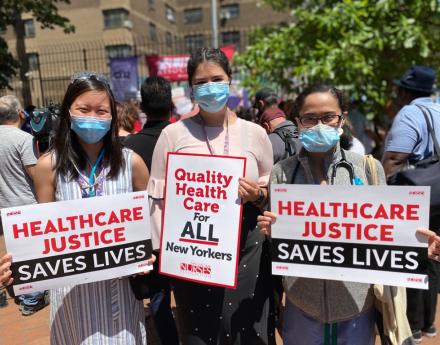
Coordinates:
153	32
193	15
29	28
32	61
118	51
168	39
151	4
231	37
193	42
229	11
170	14
116	18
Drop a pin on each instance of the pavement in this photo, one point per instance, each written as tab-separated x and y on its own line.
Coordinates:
16	329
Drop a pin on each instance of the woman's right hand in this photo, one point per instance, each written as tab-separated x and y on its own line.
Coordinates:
5	269
265	221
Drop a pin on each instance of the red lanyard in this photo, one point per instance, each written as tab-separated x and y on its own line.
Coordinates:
226	144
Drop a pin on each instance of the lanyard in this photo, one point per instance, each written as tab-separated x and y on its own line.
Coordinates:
92	177
226	144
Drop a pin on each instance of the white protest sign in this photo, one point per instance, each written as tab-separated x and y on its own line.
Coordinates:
362	234
77	241
202	218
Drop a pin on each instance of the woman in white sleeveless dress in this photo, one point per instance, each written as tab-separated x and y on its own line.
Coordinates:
87	160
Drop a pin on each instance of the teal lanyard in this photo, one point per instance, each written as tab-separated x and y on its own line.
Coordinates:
93	170
330	336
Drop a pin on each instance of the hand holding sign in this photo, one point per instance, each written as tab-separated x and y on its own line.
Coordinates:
433	243
5	269
265	222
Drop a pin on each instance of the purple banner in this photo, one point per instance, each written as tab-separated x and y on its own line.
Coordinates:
124	78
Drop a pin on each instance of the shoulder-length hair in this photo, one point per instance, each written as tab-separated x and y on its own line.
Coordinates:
66	146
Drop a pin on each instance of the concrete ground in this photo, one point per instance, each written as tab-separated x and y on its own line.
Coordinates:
16	329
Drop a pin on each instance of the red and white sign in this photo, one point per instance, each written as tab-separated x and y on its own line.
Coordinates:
363	234
173	67
77	241
202	218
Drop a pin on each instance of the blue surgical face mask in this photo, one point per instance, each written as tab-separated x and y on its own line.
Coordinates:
320	138
212	96
90	129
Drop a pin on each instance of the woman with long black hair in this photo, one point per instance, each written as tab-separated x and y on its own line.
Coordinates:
87	160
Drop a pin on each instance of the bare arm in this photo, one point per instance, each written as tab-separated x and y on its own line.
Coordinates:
393	161
30	170
140	173
44	179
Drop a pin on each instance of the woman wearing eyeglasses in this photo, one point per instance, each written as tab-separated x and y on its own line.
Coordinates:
87	160
319	311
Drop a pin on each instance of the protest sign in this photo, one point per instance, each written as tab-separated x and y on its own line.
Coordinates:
124	78
362	234
202	218
77	241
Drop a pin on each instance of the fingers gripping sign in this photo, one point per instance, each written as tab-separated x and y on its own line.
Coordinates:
265	221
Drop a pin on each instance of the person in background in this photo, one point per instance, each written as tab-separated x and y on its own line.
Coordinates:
409	141
282	133
87	160
212	314
18	156
157	104
127	117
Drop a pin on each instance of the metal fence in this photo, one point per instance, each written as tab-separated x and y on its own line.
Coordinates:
50	69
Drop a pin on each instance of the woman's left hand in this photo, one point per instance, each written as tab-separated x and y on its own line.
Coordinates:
433	243
248	190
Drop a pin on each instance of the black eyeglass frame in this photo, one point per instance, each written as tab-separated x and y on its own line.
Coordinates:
318	119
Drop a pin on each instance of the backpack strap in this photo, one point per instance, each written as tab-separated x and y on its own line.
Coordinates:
371	167
429	122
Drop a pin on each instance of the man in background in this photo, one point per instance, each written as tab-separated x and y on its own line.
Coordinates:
18	155
282	133
157	104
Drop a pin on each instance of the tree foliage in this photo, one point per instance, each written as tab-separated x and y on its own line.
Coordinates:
361	45
43	11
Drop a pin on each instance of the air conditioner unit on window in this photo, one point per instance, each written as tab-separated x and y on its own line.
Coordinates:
127	24
225	15
170	17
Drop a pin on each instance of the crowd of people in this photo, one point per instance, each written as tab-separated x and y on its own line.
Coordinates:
95	152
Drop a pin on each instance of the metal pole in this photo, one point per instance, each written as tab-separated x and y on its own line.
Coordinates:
41	80
214	23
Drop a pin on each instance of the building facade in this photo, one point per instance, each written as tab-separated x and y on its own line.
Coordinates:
120	28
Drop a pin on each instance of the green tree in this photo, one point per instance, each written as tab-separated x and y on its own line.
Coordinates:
361	45
43	11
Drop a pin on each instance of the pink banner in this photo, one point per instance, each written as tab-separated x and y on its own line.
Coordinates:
173	67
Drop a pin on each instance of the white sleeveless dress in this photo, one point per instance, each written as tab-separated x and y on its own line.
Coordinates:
99	313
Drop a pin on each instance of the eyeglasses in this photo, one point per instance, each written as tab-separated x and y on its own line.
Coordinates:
89	76
309	121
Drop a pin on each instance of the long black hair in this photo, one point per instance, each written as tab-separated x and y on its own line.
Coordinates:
207	55
66	146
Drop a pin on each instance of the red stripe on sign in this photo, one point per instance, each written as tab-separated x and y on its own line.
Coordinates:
208	243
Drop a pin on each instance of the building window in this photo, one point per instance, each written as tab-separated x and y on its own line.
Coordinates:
193	42
168	39
151	4
153	31
118	51
231	37
32	61
170	14
193	15
116	18
29	28
230	11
